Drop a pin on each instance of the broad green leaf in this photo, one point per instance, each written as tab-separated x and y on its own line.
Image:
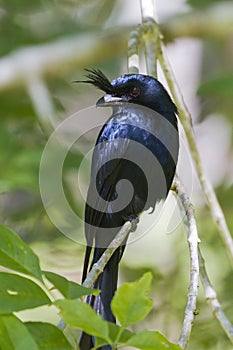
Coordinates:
151	340
48	336
14	335
16	255
81	315
19	293
130	303
69	289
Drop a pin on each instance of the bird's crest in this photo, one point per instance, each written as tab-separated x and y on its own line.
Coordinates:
97	78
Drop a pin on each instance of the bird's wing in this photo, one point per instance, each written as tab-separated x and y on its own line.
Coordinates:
106	165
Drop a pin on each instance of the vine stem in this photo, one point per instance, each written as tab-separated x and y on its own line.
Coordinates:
212	300
98	267
190	225
133	55
147	34
207	188
150	35
197	264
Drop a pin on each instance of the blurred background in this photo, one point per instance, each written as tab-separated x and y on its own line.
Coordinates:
45	45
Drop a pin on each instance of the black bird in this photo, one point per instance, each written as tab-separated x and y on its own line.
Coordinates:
138	144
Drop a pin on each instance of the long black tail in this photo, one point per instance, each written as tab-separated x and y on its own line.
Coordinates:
107	283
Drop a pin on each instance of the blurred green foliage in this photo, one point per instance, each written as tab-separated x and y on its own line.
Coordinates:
23	136
202	4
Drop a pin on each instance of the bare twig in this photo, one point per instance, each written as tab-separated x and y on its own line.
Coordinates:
133	47
211	297
147	9
59	56
150	35
185	118
197	263
98	267
150	38
194	23
193	240
147	34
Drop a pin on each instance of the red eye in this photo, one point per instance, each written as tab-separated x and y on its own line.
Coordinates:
135	91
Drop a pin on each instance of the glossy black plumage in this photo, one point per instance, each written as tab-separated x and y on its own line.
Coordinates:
139	143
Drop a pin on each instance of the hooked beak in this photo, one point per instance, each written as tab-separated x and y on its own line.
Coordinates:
108	99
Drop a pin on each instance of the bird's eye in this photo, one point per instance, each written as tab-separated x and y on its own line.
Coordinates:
135	91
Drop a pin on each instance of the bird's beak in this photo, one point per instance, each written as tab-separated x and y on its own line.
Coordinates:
108	99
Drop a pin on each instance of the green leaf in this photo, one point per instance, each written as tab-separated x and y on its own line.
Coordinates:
19	293
113	335
69	289
16	255
130	303
48	336
114	330
81	315
151	340
221	86
14	335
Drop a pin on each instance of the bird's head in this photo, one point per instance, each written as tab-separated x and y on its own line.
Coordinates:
132	88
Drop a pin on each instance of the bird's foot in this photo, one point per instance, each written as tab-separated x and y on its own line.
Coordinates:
134	219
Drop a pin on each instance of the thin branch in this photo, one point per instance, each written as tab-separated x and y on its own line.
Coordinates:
211	297
214	22
150	39
147	9
147	34
195	254
185	118
193	240
59	56
150	35
84	50
98	267
133	48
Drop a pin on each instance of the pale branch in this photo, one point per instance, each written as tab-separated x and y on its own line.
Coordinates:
214	22
99	266
147	9
211	298
146	34
150	35
185	118
84	50
192	236
57	57
133	48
